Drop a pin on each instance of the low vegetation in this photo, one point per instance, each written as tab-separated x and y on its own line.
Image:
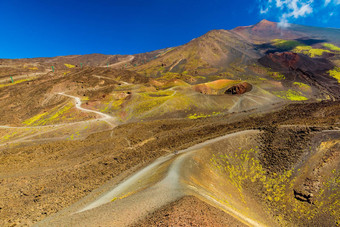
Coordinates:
290	95
285	44
335	73
331	46
299	47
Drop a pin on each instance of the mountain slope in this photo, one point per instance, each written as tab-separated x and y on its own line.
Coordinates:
72	135
265	31
208	54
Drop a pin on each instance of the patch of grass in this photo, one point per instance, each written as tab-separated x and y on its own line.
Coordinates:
237	67
196	116
149	100
302	86
335	73
308	50
160	93
298	47
302	49
69	66
170	79
275	190
331	46
171	76
147	104
104	109
219	84
8	136
278	76
243	167
285	44
317	52
290	95
85	98
48	117
16	82
116	104
59	113
34	119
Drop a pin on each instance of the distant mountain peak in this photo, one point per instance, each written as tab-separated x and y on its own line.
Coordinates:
262	25
266	22
266	30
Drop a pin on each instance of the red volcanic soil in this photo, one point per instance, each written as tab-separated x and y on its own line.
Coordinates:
287	59
298	67
238	89
294	61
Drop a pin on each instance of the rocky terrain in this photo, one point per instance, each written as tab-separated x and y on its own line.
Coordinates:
234	128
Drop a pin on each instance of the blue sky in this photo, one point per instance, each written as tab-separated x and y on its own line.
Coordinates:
46	28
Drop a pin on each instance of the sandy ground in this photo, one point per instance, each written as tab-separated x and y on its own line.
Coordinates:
189	211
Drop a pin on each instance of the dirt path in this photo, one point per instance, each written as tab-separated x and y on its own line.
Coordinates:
171	179
71	171
164	181
105	77
178	61
105	117
129	59
152	187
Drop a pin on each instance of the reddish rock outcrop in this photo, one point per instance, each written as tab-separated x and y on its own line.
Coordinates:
298	67
238	89
293	61
286	59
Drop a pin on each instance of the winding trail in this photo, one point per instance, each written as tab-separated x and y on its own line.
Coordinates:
127	60
49	128
171	179
105	117
105	77
165	180
176	63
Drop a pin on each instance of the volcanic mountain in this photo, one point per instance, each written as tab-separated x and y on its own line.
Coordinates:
265	31
236	127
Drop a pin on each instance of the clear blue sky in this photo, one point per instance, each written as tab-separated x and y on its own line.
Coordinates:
46	28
